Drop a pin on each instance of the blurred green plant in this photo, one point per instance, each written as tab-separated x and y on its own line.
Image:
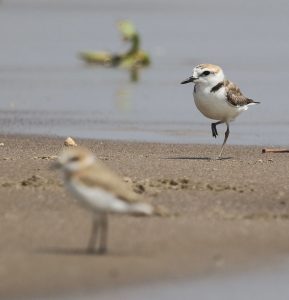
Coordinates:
132	59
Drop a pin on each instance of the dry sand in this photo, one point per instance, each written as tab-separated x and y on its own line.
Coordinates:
227	215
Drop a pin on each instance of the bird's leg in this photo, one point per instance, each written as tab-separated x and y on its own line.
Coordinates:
225	140
104	232
214	128
93	234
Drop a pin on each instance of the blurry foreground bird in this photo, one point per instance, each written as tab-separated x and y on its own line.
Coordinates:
100	191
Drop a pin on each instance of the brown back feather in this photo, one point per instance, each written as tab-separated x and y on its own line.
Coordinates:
235	96
100	176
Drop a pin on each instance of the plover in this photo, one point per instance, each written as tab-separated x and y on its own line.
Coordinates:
217	98
99	190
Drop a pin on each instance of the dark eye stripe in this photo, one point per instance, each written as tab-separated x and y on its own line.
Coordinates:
206	73
75	158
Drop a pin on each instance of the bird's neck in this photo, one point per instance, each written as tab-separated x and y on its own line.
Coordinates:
202	87
211	85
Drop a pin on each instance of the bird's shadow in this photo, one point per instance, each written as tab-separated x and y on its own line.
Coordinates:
197	158
66	251
82	252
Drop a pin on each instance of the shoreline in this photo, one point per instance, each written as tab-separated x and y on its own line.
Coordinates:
228	215
61	138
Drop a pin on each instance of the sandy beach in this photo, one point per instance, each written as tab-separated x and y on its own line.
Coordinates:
225	215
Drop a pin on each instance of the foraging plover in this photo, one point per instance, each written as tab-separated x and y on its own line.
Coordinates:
99	190
217	98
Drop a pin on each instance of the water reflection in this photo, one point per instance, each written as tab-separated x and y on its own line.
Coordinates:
124	99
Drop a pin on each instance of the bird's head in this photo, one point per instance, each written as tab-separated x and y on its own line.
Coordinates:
206	74
74	159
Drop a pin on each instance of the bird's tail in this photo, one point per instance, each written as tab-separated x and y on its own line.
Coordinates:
146	209
141	209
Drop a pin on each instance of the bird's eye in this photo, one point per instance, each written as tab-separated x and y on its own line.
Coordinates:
206	73
74	158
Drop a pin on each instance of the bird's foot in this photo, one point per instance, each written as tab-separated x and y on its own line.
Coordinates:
216	158
102	251
90	250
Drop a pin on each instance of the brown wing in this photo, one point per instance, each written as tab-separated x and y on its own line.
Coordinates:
235	96
98	175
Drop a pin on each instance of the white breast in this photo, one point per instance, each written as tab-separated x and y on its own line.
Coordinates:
97	199
214	105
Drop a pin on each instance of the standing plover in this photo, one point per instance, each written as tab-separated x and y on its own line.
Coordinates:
217	98
99	190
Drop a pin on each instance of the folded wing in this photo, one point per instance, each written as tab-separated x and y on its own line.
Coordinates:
235	96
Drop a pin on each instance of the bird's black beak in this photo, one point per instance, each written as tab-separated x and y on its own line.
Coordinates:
190	79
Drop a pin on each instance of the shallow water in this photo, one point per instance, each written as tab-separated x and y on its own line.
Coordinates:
45	89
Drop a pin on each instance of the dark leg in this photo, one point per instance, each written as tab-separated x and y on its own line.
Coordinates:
104	232
214	128
93	234
225	139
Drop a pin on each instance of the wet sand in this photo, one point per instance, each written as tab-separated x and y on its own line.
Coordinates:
226	215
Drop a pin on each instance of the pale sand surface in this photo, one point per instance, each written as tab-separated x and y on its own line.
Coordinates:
227	215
